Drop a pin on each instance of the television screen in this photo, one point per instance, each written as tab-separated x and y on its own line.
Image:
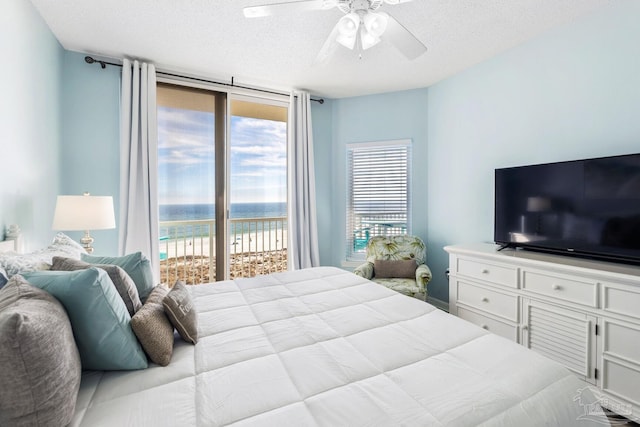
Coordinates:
584	207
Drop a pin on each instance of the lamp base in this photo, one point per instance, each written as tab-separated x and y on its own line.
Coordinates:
87	241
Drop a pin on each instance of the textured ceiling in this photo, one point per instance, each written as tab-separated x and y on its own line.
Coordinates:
212	38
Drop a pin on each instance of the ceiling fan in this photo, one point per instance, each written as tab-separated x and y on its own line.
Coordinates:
362	26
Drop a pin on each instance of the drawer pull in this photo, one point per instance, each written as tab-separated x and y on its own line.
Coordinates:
484	271
555	287
525	327
485	327
484	299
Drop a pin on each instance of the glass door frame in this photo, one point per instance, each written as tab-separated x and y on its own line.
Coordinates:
258	98
222	161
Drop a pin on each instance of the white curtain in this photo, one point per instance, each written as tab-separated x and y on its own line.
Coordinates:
303	230
139	162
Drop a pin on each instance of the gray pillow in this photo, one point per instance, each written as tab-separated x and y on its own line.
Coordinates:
40	365
153	328
123	283
180	310
395	269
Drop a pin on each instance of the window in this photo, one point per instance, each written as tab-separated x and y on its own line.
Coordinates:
222	184
378	202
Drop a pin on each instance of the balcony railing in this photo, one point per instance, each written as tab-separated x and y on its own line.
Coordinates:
366	226
187	249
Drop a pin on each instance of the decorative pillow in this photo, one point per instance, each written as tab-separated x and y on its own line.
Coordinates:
153	328
62	245
3	277
180	310
136	265
20	263
99	318
40	366
65	244
395	269
123	283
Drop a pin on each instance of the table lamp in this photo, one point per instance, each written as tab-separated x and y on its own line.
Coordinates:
84	213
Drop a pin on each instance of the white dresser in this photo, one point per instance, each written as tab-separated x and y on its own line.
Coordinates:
584	314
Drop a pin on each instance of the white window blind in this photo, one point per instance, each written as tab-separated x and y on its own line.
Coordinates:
378	193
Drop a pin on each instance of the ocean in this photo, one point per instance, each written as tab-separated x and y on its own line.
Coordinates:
207	211
236	211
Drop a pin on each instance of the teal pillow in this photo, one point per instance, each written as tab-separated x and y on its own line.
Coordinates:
3	277
137	266
99	318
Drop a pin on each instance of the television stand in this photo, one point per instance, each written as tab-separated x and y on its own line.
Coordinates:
584	314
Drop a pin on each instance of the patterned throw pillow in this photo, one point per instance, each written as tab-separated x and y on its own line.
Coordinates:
62	245
40	370
123	283
178	305
153	328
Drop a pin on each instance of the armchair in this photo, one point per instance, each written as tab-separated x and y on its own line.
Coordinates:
397	248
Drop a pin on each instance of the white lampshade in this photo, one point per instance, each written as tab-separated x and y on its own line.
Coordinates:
84	213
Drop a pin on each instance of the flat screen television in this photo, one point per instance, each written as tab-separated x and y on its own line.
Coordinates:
588	208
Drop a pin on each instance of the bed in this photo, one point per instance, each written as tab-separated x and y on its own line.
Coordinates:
313	347
324	347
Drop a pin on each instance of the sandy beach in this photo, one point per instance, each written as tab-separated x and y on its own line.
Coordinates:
250	254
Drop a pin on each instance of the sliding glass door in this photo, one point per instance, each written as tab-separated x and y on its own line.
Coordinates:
191	144
222	173
257	187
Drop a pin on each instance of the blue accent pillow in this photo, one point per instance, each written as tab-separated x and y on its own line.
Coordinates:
3	277
137	266
100	321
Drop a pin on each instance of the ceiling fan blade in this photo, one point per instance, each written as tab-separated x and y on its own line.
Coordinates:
403	39
329	47
288	7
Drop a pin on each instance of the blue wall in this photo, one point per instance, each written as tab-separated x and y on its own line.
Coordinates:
30	129
572	93
322	123
391	116
90	153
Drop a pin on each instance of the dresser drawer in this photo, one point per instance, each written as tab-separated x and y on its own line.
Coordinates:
583	292
620	299
494	302
503	329
499	274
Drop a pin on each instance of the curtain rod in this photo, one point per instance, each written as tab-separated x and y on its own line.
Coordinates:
103	65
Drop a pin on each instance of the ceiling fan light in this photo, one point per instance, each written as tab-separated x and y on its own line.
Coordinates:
376	23
348	25
368	39
347	41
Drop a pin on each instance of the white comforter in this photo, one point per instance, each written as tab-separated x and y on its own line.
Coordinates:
324	347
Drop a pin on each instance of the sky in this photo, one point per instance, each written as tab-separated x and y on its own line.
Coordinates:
186	158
